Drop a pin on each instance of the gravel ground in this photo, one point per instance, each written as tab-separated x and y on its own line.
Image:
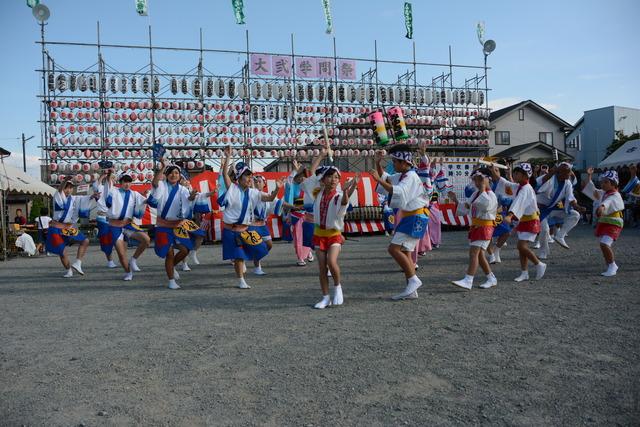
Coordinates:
95	350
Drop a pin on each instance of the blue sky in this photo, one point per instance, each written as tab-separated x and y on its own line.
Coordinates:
568	55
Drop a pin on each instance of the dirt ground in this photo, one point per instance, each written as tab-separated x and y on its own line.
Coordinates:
95	350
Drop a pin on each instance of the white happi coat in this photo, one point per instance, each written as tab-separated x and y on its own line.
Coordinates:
180	207
234	197
524	198
335	211
113	198
408	192
483	206
80	207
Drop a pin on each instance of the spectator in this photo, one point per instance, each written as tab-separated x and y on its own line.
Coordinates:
42	222
20	218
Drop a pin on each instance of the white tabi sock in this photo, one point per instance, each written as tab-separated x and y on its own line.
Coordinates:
325	302
338	298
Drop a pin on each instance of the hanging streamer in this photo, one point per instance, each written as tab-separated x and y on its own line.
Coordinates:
408	20
480	32
33	3
238	11
326	4
142	7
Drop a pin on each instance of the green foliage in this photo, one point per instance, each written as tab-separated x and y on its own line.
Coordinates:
36	206
619	141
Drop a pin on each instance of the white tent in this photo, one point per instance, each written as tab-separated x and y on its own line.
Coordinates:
15	180
628	154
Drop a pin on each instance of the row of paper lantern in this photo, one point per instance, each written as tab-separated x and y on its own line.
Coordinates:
238	107
71	134
310	92
210	152
262	116
270	142
95	83
143	170
198	107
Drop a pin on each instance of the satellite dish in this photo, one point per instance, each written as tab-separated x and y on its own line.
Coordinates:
41	13
488	47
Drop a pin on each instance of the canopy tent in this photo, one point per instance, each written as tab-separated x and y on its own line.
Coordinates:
15	180
628	154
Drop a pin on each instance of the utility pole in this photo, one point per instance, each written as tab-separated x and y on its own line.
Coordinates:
24	169
24	156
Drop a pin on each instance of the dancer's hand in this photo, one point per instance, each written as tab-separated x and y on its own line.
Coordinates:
378	156
374	174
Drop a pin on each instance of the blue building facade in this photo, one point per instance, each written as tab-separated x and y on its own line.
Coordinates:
595	131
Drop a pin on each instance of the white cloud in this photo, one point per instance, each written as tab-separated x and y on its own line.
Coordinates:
33	163
548	106
498	103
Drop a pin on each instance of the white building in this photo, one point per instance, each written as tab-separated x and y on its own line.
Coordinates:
525	124
595	131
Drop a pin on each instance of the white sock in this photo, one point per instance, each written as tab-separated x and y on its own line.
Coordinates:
468	278
413	279
79	262
491	276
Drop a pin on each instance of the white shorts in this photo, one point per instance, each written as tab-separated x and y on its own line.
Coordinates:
529	237
483	244
606	240
407	242
126	232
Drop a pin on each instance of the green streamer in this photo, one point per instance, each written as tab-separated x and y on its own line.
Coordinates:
480	32
408	20
326	4
142	7
238	10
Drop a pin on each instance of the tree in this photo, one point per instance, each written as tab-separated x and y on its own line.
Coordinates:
36	206
620	139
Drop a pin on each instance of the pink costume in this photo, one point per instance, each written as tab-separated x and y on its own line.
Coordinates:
435	224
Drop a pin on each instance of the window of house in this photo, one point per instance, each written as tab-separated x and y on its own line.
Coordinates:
572	143
546	137
521	114
503	138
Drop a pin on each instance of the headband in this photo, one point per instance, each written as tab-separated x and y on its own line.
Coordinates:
611	176
328	169
478	172
124	174
567	164
241	168
526	168
405	156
